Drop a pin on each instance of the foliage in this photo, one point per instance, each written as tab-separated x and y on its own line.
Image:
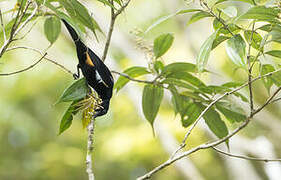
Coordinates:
249	39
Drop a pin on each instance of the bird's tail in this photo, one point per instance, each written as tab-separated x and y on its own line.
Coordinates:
71	30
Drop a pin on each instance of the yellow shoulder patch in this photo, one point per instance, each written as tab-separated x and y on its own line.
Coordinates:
88	60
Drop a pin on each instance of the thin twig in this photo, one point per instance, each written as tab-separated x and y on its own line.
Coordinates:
40	52
207	145
218	18
275	100
111	27
119	11
132	79
269	100
25	69
250	70
109	34
245	157
2	25
16	28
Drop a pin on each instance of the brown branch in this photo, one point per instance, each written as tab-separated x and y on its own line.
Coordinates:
269	100
16	28
40	52
275	100
132	79
250	70
25	69
114	16
244	157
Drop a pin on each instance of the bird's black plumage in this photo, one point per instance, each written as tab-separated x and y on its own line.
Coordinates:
94	70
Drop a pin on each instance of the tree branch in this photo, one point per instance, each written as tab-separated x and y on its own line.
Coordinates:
25	69
132	79
250	70
244	157
16	28
40	52
111	27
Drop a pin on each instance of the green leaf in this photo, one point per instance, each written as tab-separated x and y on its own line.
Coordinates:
52	28
267	27
105	2
230	28
177	82
246	1
230	11
214	122
256	39
151	100
67	118
192	113
165	18
205	51
262	13
236	50
218	41
275	78
179	101
241	96
79	89
79	13
198	16
162	43
268	82
64	16
133	72
158	66
231	112
274	53
179	67
187	77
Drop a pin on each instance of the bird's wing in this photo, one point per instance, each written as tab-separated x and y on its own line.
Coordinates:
102	71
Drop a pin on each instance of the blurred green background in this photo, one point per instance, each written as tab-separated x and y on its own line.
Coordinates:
124	145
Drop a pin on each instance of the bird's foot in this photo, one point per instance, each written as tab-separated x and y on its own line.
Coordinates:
75	76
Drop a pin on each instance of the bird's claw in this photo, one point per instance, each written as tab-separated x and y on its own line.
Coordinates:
75	76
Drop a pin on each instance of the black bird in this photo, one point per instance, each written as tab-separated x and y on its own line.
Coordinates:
94	70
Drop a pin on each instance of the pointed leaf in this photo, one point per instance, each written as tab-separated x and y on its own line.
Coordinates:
236	50
198	16
205	51
231	112
151	100
79	89
162	43
192	113
178	67
255	39
262	13
274	53
52	28
67	118
214	122
187	77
